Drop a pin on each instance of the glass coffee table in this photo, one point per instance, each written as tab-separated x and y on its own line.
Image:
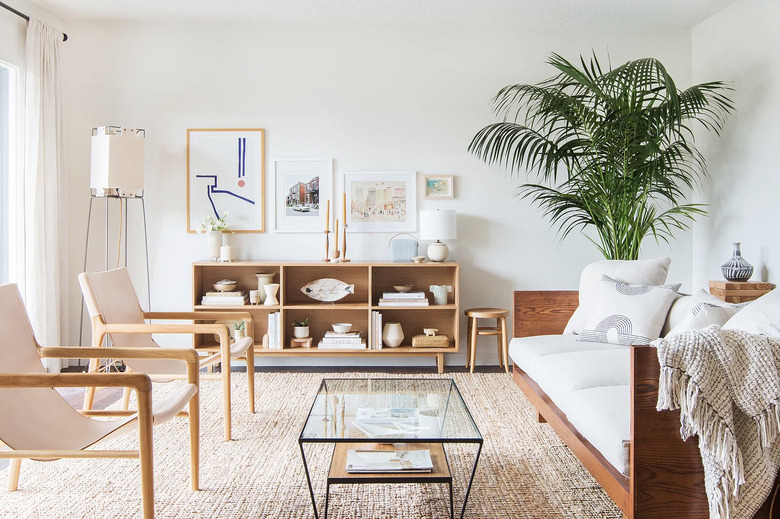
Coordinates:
371	415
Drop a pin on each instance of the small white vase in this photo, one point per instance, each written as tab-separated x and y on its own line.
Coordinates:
270	294
300	332
392	335
213	245
239	334
262	280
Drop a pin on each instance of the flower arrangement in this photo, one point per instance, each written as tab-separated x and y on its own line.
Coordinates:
215	224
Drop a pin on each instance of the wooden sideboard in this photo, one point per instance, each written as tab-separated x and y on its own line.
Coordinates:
370	280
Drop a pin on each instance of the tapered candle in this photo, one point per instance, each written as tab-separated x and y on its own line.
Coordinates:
327	218
336	237
344	204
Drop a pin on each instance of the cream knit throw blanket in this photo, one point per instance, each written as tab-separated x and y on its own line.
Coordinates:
726	384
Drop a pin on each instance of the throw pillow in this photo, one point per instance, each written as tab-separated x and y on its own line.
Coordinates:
703	315
683	306
640	272
761	316
628	314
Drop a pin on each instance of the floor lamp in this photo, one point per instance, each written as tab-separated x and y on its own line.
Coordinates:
117	173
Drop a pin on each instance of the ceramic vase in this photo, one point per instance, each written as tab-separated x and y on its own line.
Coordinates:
270	294
262	280
440	293
213	245
392	335
239	334
736	268
300	332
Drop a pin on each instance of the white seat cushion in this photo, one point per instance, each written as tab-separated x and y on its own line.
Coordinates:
603	416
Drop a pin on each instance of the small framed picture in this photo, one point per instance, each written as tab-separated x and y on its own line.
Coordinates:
302	188
438	187
381	201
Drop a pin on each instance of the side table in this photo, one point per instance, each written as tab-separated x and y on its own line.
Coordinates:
739	291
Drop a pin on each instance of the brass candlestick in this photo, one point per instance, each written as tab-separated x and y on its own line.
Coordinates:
344	245
327	245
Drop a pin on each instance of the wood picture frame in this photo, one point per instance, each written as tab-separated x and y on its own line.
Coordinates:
301	188
381	201
438	187
226	173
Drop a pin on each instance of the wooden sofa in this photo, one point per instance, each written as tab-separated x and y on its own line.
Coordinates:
666	476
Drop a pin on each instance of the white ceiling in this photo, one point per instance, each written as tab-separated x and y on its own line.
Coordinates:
652	13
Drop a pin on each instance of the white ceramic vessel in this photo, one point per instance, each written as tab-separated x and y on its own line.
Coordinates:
270	294
392	335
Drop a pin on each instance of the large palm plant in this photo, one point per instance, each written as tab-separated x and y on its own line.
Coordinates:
620	140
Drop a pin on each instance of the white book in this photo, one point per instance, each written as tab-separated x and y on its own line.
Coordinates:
359	460
404	302
403	295
354	346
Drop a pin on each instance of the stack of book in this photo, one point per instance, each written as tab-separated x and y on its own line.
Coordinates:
376	330
234	298
403	299
342	341
274	331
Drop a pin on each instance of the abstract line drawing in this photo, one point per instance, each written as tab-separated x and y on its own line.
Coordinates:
226	173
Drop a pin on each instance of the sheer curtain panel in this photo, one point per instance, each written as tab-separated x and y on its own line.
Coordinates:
44	186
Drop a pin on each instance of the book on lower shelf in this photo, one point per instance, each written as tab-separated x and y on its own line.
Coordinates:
342	341
403	295
359	461
274	331
225	298
403	302
376	330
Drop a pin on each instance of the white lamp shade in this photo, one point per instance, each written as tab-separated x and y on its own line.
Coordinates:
438	224
117	160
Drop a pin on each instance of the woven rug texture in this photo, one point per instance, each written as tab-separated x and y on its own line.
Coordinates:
524	471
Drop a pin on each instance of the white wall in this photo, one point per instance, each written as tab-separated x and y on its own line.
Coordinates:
371	97
739	45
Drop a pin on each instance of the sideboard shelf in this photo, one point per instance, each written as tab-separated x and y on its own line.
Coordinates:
370	280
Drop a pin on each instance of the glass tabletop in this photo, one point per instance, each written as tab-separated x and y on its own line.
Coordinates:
400	410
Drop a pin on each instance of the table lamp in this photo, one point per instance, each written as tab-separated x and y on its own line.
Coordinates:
437	224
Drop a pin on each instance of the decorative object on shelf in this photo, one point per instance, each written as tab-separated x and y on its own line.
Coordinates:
304	342
270	294
300	186
327	233
430	331
226	253
226	172
343	258
438	224
586	168
440	293
430	340
341	327
438	187
381	201
239	330
736	268
327	289
418	259
403	249
255	296
226	285
264	278
403	288
392	335
301	328
213	227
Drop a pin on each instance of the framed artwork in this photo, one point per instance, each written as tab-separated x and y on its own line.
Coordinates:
381	201
300	185
438	187
226	174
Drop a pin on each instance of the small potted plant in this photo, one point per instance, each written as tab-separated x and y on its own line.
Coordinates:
239	330
301	328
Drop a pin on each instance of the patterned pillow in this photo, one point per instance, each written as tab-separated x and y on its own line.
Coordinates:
703	315
628	314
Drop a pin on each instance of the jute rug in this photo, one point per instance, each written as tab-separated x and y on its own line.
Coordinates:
524	472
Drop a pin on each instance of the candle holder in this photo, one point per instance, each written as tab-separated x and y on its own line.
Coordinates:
327	246
344	245
334	255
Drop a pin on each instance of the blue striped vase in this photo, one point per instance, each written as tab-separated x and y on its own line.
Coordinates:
737	269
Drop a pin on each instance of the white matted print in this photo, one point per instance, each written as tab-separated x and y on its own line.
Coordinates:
438	187
301	191
382	201
226	173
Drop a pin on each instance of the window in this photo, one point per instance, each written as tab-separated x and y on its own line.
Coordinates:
7	105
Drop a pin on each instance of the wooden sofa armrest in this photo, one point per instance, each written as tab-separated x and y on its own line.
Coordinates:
542	312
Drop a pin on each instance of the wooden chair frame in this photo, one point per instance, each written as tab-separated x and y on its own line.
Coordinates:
139	382
219	354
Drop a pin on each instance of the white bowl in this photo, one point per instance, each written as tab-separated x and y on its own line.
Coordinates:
225	285
403	288
341	327
418	259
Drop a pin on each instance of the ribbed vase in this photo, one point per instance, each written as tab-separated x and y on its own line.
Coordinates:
736	268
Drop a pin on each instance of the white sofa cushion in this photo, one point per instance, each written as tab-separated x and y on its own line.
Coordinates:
703	315
761	316
602	415
683	308
627	313
641	272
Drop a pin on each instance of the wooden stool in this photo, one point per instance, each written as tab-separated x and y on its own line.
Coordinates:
499	314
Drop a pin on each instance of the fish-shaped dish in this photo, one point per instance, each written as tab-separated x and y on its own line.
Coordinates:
327	289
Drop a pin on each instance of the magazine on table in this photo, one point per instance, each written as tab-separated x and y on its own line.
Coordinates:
389	421
389	461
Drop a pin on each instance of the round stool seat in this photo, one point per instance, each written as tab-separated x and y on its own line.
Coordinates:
474	330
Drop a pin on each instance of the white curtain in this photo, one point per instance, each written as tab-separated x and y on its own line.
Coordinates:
44	187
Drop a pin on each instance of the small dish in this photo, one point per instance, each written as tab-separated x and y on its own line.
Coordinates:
403	288
341	327
418	259
226	285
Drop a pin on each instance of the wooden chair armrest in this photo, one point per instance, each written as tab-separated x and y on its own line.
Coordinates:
137	381
246	316
187	355
204	328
